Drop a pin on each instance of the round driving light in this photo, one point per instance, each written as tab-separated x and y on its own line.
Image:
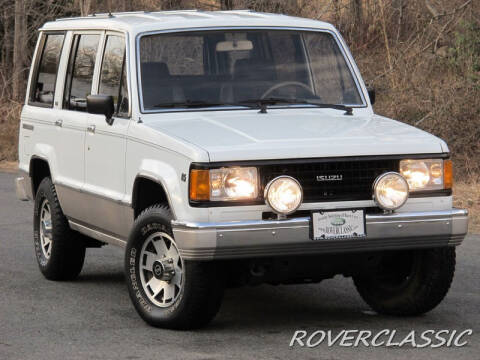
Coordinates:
390	191
284	195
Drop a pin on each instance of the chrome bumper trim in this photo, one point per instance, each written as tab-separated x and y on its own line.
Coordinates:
260	238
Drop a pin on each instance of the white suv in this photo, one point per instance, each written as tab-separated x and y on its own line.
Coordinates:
228	148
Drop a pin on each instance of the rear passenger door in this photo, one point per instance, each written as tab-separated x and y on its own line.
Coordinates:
105	144
38	134
71	120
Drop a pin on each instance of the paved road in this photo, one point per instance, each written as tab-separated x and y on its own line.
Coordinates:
92	318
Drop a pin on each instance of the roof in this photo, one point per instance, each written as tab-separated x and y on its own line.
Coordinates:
136	22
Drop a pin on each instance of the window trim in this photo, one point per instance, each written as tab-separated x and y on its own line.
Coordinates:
124	67
36	69
339	41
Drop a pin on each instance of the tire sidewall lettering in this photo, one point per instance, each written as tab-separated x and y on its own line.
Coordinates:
43	262
133	270
133	278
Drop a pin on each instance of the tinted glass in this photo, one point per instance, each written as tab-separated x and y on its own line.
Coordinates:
122	106
80	72
183	54
112	78
332	78
44	85
225	68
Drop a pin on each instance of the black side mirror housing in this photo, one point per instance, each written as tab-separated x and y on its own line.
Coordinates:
371	95
102	105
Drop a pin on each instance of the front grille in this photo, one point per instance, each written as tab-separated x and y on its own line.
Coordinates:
356	184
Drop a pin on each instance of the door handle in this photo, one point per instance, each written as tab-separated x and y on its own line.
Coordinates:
59	122
91	128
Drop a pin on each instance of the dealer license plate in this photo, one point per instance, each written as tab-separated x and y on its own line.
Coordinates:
338	224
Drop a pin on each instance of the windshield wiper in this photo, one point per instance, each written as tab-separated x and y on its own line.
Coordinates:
263	103
253	103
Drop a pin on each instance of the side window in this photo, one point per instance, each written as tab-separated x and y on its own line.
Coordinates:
43	85
81	65
113	75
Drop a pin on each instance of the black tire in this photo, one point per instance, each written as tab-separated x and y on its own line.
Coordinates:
67	251
200	297
409	283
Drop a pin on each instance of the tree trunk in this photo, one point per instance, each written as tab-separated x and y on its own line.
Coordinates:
84	6
400	5
19	51
126	5
357	16
226	4
6	49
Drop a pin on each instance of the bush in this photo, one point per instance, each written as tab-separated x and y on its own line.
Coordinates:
465	52
9	130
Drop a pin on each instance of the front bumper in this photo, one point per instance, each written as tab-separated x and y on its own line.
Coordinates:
261	238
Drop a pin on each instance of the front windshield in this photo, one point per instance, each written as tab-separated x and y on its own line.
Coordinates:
230	67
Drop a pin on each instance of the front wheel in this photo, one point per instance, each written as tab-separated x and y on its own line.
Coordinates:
409	282
166	290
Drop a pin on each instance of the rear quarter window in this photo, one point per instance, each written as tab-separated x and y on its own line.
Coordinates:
43	86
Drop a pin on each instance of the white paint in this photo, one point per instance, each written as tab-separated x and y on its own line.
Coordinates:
163	145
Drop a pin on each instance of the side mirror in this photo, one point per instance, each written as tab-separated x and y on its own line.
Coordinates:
102	105
371	95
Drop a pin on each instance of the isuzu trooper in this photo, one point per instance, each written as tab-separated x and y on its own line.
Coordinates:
224	149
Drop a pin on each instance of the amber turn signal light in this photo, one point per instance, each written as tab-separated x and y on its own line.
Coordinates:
447	174
199	185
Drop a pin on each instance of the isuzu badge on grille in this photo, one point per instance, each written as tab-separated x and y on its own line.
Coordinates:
329	177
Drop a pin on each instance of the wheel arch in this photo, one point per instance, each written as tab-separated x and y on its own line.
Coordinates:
39	168
147	191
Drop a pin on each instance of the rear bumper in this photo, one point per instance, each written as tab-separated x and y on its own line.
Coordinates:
249	239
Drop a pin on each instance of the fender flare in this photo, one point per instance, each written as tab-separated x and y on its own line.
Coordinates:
156	179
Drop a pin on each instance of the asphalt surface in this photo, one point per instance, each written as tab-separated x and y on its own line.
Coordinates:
92	318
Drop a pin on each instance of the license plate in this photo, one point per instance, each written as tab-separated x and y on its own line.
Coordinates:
344	224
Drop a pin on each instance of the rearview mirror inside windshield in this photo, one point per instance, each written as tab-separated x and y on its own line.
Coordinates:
234	45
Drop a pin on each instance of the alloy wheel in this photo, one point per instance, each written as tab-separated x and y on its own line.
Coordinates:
46	229
161	269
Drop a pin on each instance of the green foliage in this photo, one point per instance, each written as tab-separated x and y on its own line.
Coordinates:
465	52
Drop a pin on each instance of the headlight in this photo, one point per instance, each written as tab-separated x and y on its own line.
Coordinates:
224	184
427	174
233	184
390	191
284	195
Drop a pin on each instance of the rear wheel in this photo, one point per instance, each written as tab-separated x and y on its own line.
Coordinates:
59	251
166	290
409	282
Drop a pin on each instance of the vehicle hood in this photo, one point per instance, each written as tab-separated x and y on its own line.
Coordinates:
294	133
